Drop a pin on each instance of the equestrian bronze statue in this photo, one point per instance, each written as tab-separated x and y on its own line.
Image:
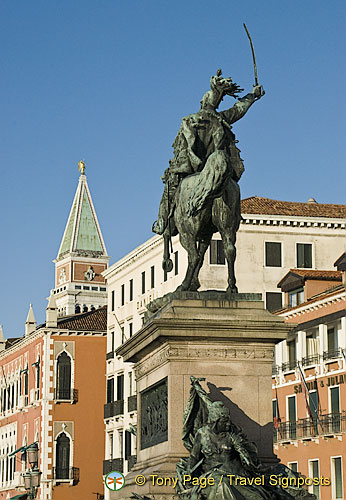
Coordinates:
201	194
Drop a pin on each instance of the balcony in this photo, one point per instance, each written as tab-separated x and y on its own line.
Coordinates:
113	409
70	474
114	464
286	431
110	355
289	366
66	395
331	355
307	428
311	360
132	403
333	423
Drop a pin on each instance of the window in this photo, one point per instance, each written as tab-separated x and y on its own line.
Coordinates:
314	472
130	329
122	295
312	344
304	255
292	417
120	387
273	301
216	253
293	466
103	289
85	308
337	486
63	376
127	445
113	300
272	254
26	387
131	290
152	276
86	287
77	309
122	334
94	288
112	341
291	350
110	390
62	457
296	297
78	287
143	282
176	263
332	341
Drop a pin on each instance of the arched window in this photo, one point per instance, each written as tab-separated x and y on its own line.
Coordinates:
62	457
85	309
63	376
92	308
77	309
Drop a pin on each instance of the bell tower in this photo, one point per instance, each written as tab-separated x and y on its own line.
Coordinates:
82	257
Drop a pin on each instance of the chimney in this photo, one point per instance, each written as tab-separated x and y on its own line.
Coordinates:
30	324
51	313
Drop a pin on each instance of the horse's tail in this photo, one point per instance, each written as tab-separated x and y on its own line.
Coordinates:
210	181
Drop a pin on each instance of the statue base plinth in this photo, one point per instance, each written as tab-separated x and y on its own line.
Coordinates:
230	343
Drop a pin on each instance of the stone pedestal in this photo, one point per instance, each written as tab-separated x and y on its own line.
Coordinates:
230	343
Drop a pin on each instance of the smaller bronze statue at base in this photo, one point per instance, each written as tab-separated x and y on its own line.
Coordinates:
223	464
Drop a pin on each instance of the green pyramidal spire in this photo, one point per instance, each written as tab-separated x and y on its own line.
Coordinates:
82	235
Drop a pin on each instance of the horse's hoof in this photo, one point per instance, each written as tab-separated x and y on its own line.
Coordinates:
167	265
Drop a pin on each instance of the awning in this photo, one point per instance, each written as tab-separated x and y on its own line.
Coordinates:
17	497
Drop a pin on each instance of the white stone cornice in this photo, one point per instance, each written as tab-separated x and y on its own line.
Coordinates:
318	304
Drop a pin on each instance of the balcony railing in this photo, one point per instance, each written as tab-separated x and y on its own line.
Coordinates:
311	360
110	355
287	431
335	354
289	366
114	408
333	423
114	464
66	474
132	403
70	395
306	428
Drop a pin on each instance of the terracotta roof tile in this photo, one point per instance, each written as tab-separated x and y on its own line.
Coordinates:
266	206
89	321
316	274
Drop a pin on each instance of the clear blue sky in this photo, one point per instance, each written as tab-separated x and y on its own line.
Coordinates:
109	80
